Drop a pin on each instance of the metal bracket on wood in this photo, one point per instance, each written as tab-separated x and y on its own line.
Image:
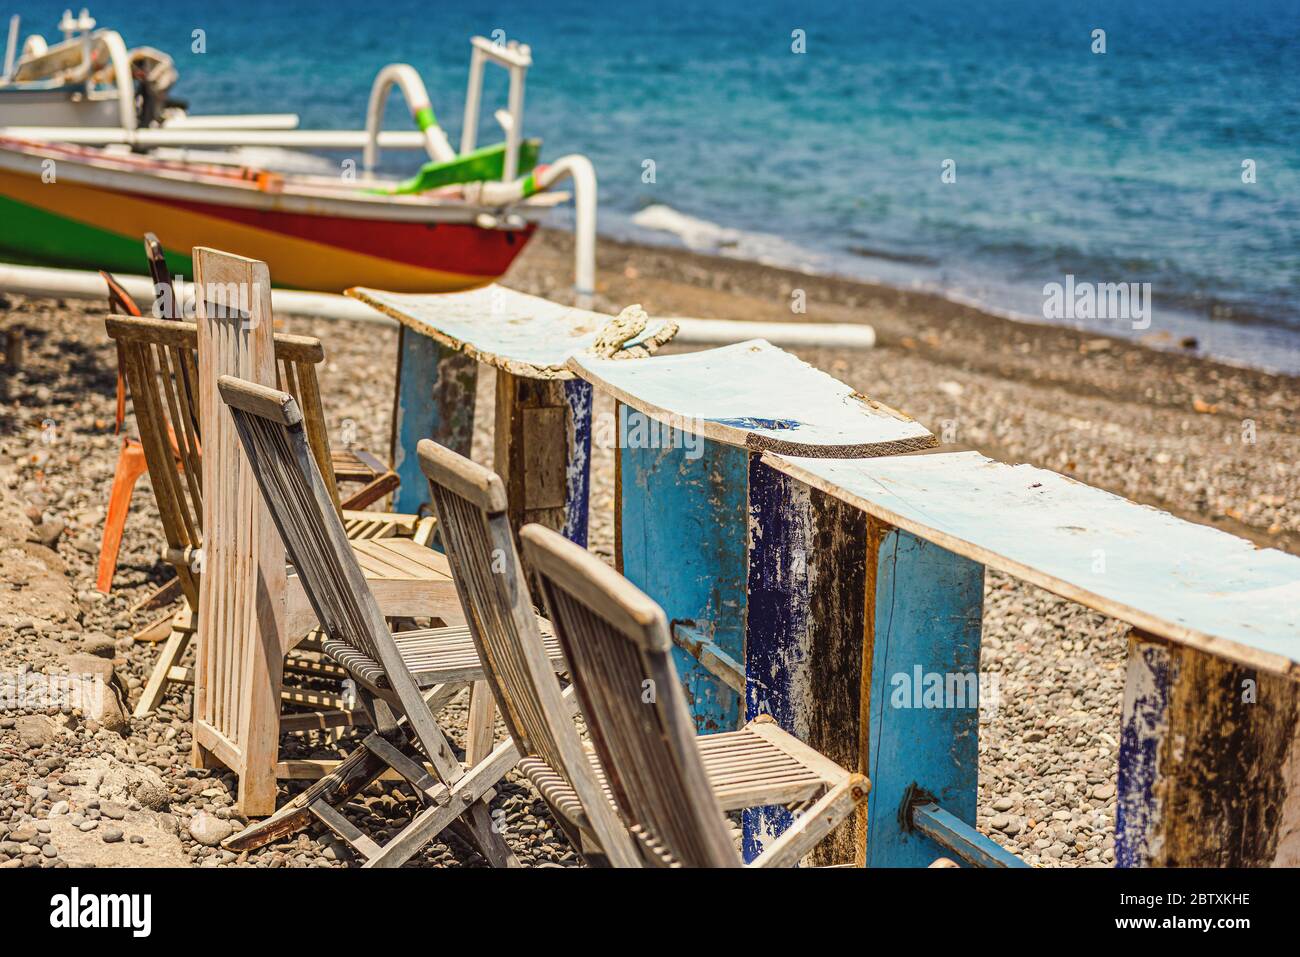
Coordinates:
696	639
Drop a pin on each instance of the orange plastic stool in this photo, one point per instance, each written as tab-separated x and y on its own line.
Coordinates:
130	466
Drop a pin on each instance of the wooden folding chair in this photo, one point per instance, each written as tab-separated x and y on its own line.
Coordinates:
618	647
157	358
351	466
520	652
390	671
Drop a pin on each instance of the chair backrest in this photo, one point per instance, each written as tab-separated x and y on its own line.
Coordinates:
240	628
469	502
165	304
617	644
271	430
158	360
157	357
119	301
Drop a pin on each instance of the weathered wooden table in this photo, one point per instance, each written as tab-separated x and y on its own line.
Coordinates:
542	437
691	428
1209	750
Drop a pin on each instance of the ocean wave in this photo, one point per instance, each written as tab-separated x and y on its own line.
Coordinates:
705	236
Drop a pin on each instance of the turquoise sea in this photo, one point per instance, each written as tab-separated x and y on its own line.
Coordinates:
1117	167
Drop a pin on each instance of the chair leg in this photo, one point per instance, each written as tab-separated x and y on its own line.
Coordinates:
814	824
482	713
491	843
130	466
354	775
177	642
469	789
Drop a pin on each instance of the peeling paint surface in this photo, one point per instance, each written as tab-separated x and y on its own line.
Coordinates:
435	399
577	478
1144	723
525	335
776	681
1162	574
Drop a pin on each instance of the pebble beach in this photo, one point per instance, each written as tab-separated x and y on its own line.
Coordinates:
1155	422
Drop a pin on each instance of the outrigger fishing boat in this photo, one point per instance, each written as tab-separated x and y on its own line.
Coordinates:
78	188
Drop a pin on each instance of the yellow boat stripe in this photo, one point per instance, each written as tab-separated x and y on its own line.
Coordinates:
296	262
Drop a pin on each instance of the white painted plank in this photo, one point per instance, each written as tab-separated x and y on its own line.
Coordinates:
1172	578
523	334
754	395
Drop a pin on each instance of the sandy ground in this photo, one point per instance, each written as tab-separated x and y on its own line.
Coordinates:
1161	427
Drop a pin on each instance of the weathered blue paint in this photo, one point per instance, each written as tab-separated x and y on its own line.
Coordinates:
750	422
805	621
776	617
435	399
682	541
577	497
960	838
1144	724
1174	579
928	608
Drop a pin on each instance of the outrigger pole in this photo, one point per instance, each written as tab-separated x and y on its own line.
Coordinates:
76	284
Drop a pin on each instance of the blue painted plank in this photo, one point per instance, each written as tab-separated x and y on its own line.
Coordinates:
435	399
776	619
577	498
752	394
682	540
928	609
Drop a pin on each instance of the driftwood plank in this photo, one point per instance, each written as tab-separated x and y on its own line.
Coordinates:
1209	762
805	621
922	704
542	441
525	335
434	399
754	395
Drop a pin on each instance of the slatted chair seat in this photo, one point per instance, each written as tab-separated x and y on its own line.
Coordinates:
434	656
399	558
745	768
